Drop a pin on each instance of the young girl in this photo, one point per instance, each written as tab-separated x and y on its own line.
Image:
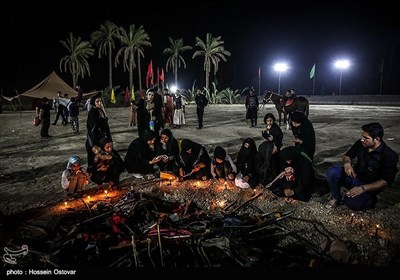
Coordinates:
74	177
102	159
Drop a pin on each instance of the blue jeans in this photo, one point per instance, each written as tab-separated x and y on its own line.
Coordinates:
336	177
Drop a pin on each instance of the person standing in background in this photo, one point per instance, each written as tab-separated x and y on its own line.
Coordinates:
252	107
201	102
43	112
59	107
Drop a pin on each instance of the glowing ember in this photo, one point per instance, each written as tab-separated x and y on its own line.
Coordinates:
221	203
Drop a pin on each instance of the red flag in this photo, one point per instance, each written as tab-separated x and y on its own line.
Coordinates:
158	77
127	97
150	75
162	75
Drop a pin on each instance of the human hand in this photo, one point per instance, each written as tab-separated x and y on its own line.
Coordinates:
288	192
164	158
353	192
349	170
298	141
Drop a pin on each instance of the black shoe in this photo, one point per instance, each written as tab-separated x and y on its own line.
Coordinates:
53	124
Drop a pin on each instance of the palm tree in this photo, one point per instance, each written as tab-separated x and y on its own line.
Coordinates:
76	59
132	43
213	51
176	60
104	39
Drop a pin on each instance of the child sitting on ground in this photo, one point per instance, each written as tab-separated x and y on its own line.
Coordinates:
102	159
74	177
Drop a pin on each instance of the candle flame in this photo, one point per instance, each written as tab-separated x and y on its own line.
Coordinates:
378	226
65	203
221	203
105	191
352	214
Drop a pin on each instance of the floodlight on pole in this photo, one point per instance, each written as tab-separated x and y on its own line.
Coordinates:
341	65
280	68
174	88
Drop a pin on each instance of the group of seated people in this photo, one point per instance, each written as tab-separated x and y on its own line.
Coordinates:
287	172
253	167
151	153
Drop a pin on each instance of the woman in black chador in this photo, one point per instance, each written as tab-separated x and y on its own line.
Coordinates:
297	179
245	164
168	148
97	127
194	161
141	155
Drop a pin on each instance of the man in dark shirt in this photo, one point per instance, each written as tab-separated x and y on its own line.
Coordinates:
201	102
375	167
43	112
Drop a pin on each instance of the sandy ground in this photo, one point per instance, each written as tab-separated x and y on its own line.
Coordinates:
30	167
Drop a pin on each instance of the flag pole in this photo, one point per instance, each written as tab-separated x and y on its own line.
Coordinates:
381	85
313	85
259	80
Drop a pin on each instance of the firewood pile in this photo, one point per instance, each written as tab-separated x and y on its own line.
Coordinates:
162	223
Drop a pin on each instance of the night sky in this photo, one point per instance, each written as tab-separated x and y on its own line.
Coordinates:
257	33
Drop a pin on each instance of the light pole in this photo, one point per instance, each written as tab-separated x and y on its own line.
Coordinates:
341	65
280	68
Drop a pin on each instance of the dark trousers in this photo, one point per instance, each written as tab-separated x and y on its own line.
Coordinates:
44	131
200	113
336	177
60	112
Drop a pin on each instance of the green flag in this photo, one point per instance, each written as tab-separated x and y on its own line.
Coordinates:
312	72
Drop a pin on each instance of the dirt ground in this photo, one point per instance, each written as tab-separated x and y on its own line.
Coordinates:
31	167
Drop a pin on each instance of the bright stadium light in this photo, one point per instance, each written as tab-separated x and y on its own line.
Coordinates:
280	68
341	64
174	89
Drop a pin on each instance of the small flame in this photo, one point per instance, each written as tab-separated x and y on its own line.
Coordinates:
221	203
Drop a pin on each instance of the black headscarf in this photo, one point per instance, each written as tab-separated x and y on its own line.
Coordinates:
148	135
297	117
187	145
219	153
289	153
246	156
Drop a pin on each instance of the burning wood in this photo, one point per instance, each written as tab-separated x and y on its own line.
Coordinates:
190	223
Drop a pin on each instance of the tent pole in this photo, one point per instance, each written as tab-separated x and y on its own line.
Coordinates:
19	101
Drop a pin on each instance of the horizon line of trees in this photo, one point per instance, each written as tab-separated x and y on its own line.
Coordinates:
132	42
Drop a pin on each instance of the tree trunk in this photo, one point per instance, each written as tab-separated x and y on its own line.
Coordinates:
109	66
131	72
176	72
139	73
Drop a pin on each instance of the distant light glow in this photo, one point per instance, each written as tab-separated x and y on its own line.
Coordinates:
174	89
281	67
342	64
